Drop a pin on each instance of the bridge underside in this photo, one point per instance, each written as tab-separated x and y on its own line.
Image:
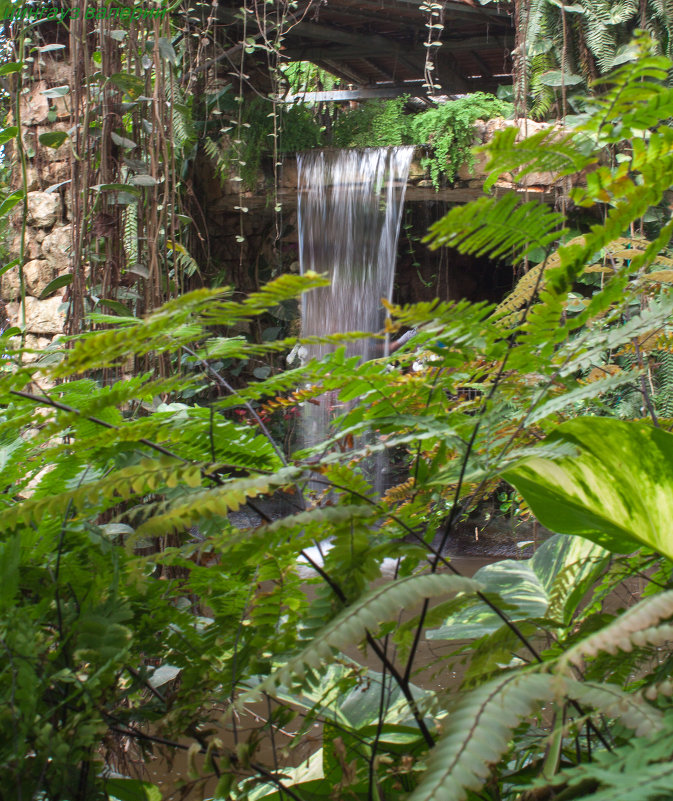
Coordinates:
381	44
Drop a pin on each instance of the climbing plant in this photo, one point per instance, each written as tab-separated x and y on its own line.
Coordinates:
446	130
449	131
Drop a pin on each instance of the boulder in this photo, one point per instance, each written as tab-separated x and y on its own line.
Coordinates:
45	316
34	105
36	344
9	285
37	275
58	171
43	209
31	250
56	248
33	183
467	172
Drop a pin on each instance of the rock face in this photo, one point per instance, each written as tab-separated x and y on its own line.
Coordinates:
45	316
56	247
43	209
37	275
37	344
47	234
34	105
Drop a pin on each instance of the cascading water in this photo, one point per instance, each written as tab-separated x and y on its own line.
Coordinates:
349	213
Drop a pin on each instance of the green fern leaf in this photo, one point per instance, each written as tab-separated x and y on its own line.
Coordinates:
629	708
637	627
548	150
497	227
351	625
479	734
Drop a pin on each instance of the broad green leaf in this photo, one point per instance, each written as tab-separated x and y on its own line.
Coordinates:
9	202
143	180
53	138
10	265
132	85
167	50
132	790
557	78
122	141
10	67
57	283
56	91
617	489
116	306
8	133
557	576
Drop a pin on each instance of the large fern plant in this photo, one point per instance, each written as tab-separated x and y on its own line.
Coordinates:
566	45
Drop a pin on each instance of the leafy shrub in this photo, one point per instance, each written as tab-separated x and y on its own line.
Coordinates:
375	123
103	576
449	130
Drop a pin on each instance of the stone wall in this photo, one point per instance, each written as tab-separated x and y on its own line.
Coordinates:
48	230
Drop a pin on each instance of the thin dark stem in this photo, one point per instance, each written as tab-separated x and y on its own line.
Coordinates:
222	382
226	385
63	407
273	779
379	726
272	734
146	684
380	653
461	478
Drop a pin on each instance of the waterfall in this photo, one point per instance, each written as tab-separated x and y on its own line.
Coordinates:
349	214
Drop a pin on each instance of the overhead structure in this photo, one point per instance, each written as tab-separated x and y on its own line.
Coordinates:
376	45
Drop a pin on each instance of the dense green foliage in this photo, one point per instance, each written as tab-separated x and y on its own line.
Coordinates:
449	130
375	123
127	631
565	46
446	132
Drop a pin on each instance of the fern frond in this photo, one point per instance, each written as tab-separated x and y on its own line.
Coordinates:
130	234
137	480
549	150
581	394
482	723
479	734
182	258
636	627
497	227
629	708
215	502
633	89
653	318
182	128
351	625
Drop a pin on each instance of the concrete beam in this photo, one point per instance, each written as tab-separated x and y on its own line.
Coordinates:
363	93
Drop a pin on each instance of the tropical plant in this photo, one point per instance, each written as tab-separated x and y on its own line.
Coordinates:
158	595
564	46
445	131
